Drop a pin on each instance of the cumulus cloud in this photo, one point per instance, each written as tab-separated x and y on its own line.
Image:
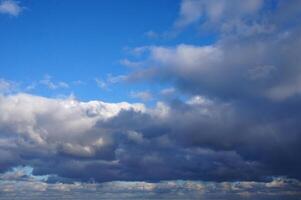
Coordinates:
10	7
249	60
36	121
105	142
244	88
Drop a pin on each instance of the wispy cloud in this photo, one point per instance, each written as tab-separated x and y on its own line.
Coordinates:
47	81
143	95
192	11
151	34
105	84
102	84
7	86
168	91
129	63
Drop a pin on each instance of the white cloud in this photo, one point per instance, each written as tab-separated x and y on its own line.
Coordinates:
187	56
198	100
135	136
234	67
83	150
40	119
10	7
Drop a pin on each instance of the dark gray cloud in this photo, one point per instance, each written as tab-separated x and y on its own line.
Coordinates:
252	74
199	139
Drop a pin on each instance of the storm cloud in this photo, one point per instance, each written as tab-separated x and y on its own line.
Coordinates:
199	139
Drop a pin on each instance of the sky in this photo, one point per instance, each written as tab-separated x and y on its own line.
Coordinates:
169	99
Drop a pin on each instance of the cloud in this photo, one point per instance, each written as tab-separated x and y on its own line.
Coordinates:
99	141
243	88
116	79
52	85
248	63
7	86
10	7
143	95
104	84
101	84
216	11
233	120
129	63
167	91
25	187
151	34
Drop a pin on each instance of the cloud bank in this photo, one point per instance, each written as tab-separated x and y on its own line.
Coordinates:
199	139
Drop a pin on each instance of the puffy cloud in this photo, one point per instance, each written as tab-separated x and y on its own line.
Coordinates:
256	58
261	67
10	7
105	142
56	123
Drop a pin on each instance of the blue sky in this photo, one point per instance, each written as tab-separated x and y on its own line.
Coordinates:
77	41
139	99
